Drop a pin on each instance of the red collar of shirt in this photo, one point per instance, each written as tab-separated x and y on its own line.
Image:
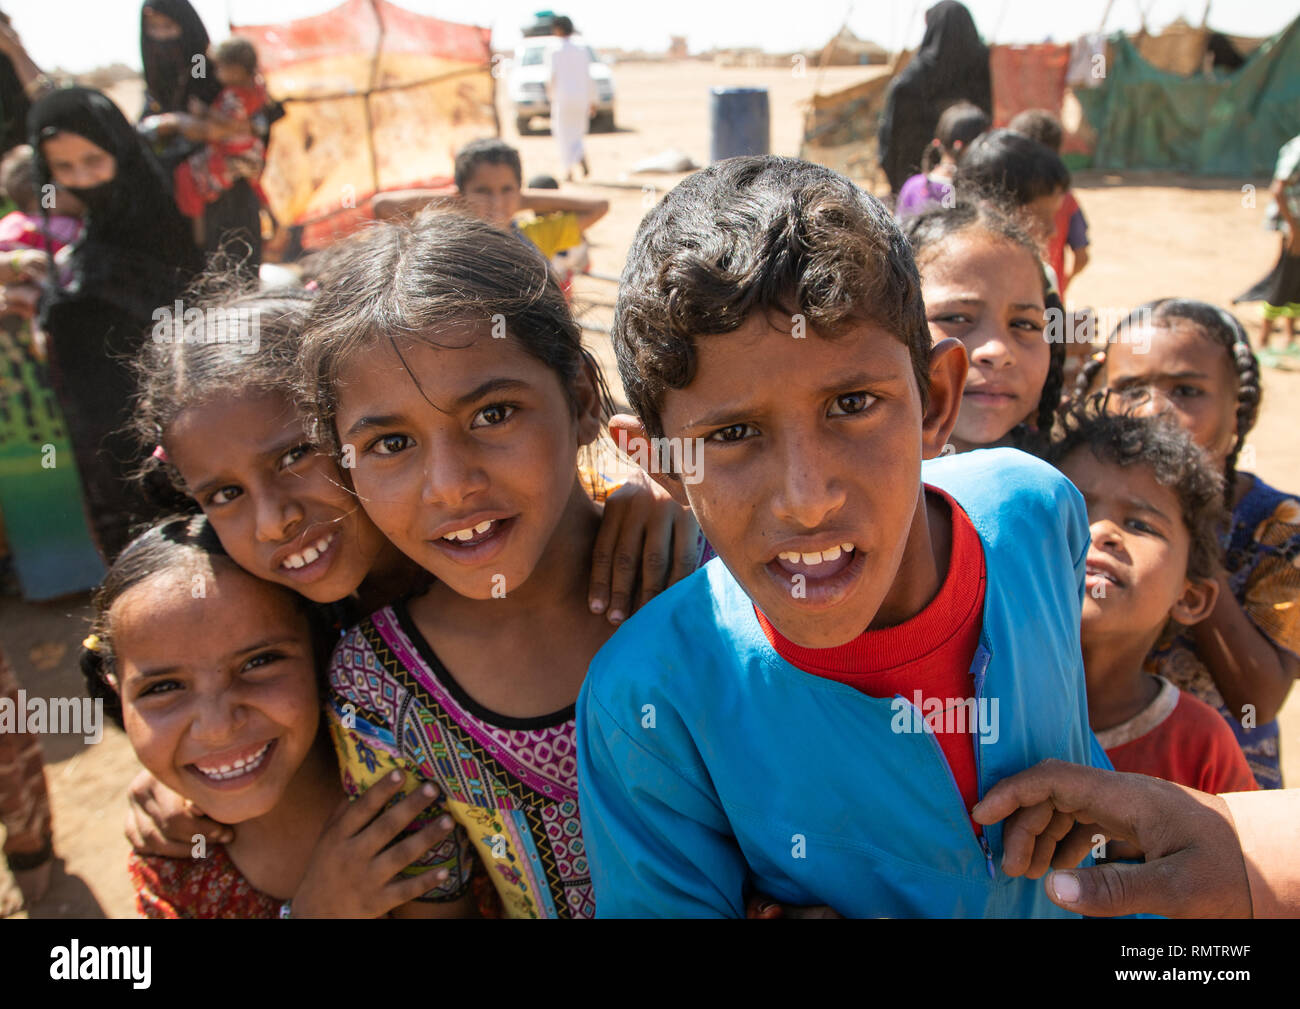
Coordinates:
955	609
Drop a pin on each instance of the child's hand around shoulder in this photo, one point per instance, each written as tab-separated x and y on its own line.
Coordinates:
162	822
644	535
353	869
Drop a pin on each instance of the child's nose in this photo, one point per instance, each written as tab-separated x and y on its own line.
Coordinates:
276	518
808	492
450	478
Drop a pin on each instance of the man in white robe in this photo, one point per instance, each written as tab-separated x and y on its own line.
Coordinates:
573	98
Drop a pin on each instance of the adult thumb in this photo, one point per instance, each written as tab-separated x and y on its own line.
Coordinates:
1115	888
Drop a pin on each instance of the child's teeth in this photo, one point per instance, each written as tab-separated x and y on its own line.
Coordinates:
483	527
833	554
465	534
813	558
847	547
310	554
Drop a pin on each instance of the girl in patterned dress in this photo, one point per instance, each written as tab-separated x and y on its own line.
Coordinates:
213	673
284	510
449	368
1193	361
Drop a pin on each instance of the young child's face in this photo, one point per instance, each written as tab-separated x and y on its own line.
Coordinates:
811	447
988	293
278	504
66	203
471	472
232	75
76	163
217	679
1039	215
1137	564
493	194
1179	371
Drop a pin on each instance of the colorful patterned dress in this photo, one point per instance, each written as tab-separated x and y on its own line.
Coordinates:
510	783
1262	559
211	887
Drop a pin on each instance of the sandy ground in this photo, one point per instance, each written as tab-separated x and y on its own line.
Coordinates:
1151	237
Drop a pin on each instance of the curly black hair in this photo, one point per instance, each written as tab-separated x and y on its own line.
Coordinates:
975	211
1175	460
1218	325
749	235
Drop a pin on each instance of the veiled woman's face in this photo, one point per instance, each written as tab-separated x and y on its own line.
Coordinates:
76	163
160	27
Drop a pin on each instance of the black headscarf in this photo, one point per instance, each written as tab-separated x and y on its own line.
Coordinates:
14	105
951	65
138	250
168	65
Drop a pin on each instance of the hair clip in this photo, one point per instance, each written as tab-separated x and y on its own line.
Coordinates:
160	453
311	285
92	643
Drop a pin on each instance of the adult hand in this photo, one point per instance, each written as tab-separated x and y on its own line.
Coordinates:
20	300
1194	866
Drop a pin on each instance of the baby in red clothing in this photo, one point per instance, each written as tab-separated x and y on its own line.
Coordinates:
234	150
1154	507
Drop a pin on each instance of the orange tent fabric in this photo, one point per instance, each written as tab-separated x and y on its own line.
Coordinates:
376	98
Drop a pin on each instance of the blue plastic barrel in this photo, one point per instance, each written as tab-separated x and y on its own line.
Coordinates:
742	123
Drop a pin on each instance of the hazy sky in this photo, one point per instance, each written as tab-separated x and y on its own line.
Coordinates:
81	34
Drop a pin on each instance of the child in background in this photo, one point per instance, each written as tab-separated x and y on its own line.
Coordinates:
1071	227
984	284
1028	176
489	177
1155	505
1193	361
234	150
855	584
959	124
214	676
23	228
1282	297
466	457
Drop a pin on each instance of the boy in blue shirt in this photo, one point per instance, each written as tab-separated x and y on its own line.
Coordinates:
814	713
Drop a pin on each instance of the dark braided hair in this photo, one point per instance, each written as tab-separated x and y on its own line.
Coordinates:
1216	324
983	212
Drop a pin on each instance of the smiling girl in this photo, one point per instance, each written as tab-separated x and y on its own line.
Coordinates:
214	676
984	284
1192	362
466	438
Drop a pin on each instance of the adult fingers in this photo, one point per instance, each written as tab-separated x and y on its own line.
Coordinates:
602	557
686	546
1058	827
656	554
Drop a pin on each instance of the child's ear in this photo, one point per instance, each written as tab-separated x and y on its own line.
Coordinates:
948	364
586	401
1197	601
630	436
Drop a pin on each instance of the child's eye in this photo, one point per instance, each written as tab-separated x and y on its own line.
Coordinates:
731	433
1139	526
260	661
390	444
224	495
294	454
851	403
159	688
1188	391
1033	325
952	317
490	416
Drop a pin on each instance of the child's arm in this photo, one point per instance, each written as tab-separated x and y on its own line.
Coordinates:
1077	239
1248	668
658	842
162	822
545	201
643	534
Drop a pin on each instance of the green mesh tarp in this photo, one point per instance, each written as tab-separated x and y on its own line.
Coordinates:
1223	124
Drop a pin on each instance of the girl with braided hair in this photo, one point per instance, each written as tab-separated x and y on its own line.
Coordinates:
1192	361
985	284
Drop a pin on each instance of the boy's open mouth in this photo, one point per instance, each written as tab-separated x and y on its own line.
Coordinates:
818	578
312	560
234	769
476	541
1095	574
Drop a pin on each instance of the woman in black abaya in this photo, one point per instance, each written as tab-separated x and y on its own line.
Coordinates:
171	37
952	65
136	254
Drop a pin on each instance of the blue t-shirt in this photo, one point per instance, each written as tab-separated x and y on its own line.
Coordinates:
709	766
